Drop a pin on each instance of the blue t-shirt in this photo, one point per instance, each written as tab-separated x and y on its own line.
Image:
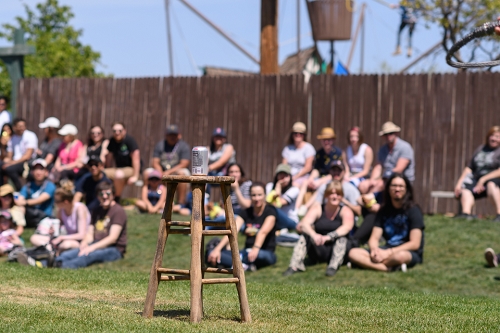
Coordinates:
36	190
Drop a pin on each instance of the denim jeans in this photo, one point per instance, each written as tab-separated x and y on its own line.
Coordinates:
283	221
70	258
264	258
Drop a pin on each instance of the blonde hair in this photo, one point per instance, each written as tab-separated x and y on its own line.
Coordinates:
66	191
334	186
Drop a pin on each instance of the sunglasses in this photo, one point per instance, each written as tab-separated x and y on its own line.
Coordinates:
117	130
103	194
96	133
93	165
297	133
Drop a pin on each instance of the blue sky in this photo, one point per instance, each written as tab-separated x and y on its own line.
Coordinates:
131	35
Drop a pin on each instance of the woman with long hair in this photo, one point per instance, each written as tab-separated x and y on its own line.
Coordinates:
324	233
260	226
400	222
283	195
240	189
221	153
358	157
299	154
69	158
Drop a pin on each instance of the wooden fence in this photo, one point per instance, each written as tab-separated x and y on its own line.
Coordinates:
444	117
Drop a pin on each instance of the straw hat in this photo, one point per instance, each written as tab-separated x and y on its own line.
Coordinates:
326	133
389	127
299	127
6	189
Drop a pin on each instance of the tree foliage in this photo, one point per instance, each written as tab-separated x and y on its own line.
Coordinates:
59	52
456	18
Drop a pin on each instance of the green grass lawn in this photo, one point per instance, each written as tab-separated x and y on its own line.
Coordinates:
452	291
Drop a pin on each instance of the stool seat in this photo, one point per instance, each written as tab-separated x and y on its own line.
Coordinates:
196	228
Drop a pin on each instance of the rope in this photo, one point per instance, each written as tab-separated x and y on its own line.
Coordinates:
484	30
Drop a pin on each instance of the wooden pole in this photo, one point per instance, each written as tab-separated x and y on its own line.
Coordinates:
269	37
169	38
298	37
354	40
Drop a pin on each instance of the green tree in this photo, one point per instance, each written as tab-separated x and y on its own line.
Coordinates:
457	18
59	52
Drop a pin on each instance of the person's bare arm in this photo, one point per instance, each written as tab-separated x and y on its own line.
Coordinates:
26	157
41	199
266	228
458	185
305	225
136	162
401	165
78	197
183	164
114	233
157	164
306	169
104	150
376	172
228	152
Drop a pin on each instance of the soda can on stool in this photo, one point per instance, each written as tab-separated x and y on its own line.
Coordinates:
199	161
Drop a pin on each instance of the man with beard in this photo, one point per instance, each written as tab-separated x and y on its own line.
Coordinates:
401	223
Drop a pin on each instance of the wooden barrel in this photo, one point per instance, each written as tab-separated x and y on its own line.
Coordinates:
330	19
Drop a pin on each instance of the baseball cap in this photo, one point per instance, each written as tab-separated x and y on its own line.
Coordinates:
337	163
68	129
39	161
283	168
154	174
5	214
50	122
172	129
219	131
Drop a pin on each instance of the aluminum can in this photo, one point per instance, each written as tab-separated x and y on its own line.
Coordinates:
199	161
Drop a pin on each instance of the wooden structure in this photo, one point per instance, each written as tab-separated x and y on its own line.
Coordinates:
269	37
196	273
330	19
445	117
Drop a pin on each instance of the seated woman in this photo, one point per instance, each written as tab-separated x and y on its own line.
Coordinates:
17	212
324	233
96	146
69	157
401	223
153	195
358	157
221	153
260	227
6	134
75	218
240	189
299	154
283	195
8	236
481	177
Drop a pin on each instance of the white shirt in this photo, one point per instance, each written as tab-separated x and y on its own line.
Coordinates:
19	144
4	118
291	197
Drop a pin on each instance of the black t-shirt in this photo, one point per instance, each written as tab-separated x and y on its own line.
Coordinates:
122	150
397	224
484	161
256	222
87	185
322	160
171	156
324	225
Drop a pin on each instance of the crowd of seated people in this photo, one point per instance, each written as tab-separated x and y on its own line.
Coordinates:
336	200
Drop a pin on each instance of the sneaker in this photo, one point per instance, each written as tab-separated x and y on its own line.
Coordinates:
410	52
302	211
491	257
496	219
252	268
404	268
330	271
26	260
398	51
289	271
399	268
349	265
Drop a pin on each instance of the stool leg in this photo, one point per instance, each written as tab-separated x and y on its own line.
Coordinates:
196	237
202	250
154	276
237	267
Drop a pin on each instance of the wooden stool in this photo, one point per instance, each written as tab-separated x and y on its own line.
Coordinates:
196	273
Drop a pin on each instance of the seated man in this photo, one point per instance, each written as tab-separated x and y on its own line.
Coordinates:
88	183
351	193
20	149
37	196
321	166
49	147
106	238
172	156
396	156
401	223
123	149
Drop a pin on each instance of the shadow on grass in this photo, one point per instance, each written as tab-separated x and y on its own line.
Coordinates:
184	315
